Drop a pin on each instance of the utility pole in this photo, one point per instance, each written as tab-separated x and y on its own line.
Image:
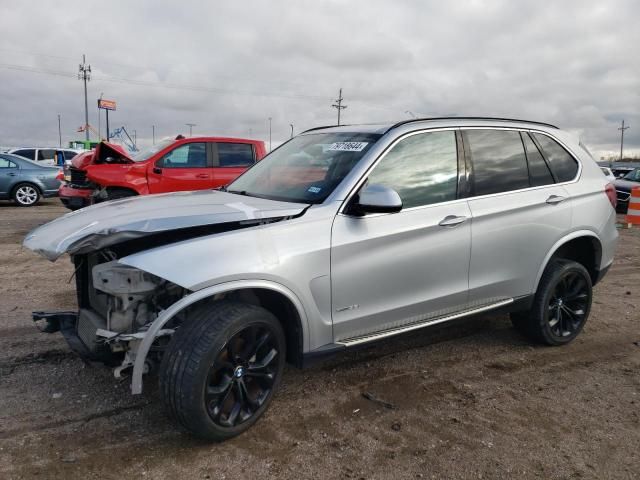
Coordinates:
338	105
84	74
59	132
291	125
190	125
622	129
153	133
99	117
269	133
106	113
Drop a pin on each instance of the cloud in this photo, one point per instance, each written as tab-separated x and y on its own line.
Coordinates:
229	66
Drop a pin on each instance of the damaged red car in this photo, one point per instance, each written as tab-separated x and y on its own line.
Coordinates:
197	163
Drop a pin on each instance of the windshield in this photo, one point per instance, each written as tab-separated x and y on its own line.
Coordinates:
633	175
306	169
149	152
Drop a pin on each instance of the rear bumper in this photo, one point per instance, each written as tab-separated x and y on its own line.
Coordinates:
75	198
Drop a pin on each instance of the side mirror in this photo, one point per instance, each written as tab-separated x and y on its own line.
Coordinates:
376	198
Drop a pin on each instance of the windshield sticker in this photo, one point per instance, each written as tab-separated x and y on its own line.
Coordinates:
348	146
314	189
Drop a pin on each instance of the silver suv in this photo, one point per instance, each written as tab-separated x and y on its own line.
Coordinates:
341	237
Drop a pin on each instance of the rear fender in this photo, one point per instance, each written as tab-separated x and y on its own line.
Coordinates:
556	247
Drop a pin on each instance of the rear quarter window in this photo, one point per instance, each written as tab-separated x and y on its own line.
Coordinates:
562	164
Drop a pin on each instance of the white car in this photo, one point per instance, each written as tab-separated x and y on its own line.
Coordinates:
45	156
608	173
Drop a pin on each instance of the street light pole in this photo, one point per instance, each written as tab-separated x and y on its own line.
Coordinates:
291	125
190	125
153	133
59	132
269	133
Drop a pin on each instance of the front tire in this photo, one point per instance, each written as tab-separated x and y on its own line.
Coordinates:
221	368
561	305
26	195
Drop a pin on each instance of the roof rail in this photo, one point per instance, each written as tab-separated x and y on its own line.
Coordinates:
412	120
322	128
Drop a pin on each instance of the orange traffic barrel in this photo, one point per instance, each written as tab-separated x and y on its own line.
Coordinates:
633	213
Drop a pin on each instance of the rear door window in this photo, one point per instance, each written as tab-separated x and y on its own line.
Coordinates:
422	168
498	158
46	154
235	155
562	164
538	169
4	163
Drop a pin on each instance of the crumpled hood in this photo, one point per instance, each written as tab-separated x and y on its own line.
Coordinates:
109	223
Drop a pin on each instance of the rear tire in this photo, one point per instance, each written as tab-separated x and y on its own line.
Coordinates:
26	195
221	368
561	305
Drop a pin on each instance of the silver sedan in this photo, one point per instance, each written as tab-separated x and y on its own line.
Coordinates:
26	182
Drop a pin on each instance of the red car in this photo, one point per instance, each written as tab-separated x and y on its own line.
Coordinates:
195	163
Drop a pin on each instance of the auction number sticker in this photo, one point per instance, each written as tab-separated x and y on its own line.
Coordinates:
347	146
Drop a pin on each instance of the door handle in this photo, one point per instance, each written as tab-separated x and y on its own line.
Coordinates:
555	199
202	175
157	170
12	174
452	221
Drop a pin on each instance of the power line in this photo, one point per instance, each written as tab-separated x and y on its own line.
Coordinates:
338	105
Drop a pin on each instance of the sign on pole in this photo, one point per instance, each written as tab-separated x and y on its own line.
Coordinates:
106	104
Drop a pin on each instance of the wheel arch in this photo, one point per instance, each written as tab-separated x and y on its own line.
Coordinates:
582	246
115	188
25	182
276	298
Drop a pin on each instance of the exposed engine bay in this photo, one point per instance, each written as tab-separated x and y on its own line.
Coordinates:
117	303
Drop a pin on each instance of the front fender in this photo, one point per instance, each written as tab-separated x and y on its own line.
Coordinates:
173	310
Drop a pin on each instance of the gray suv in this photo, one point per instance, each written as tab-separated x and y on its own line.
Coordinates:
341	237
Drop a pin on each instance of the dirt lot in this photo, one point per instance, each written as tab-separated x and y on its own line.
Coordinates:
470	401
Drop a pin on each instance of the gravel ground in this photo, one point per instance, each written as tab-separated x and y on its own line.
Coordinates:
471	400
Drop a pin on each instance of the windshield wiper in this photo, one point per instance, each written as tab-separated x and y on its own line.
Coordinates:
239	192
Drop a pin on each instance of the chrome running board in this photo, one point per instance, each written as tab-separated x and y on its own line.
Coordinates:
350	342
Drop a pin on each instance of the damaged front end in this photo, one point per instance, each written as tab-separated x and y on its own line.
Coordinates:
118	303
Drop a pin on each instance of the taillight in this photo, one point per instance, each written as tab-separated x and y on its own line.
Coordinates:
610	190
60	175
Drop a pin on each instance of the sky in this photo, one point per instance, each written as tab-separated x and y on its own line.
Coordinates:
230	66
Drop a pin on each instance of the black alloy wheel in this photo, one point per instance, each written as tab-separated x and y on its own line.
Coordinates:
242	376
222	368
560	306
568	305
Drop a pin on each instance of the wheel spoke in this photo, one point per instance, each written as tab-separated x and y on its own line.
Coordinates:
268	358
258	345
233	415
222	387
